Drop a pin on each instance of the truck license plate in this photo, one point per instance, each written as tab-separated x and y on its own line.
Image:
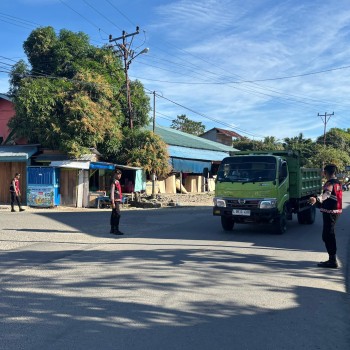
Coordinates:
240	212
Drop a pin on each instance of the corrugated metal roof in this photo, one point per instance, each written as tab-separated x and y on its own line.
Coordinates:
72	164
228	133
52	157
195	153
6	97
178	138
17	153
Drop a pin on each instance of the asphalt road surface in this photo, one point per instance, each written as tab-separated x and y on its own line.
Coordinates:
175	280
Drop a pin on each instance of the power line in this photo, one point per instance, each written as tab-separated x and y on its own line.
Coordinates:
121	13
78	13
210	118
17	21
247	81
101	14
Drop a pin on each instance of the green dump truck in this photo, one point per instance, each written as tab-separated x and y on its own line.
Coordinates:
265	187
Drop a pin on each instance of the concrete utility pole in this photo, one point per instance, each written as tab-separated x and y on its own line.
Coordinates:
154	110
154	127
325	118
126	52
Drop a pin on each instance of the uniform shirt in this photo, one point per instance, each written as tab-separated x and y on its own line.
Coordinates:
116	191
331	198
14	187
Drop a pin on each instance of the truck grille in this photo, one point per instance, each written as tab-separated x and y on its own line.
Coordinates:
243	203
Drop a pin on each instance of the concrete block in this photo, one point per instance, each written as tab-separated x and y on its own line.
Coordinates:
170	184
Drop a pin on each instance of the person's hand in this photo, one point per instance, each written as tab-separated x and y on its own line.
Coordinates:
113	205
312	200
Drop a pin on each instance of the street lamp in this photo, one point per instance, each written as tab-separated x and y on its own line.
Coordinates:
133	56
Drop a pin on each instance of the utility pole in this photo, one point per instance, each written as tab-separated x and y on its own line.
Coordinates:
154	111
154	127
325	118
126	52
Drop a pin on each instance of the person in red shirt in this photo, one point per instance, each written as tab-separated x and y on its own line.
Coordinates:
116	197
330	204
15	193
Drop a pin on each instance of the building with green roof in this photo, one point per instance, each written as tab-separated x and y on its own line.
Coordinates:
190	153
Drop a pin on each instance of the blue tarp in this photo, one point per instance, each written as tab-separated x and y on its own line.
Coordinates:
189	165
193	160
102	165
140	180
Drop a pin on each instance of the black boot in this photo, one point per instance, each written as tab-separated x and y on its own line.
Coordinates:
12	208
331	263
21	209
112	231
117	232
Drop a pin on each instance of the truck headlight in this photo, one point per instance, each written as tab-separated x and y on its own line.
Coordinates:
219	202
268	204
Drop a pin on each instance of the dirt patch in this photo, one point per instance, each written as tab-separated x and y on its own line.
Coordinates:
161	200
189	199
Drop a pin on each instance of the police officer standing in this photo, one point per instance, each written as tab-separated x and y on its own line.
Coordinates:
330	204
116	198
15	193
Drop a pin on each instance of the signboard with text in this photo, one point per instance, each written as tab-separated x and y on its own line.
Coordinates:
41	196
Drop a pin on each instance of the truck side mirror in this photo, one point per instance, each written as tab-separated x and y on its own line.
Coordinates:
283	172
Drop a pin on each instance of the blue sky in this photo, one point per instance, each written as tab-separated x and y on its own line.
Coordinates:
258	67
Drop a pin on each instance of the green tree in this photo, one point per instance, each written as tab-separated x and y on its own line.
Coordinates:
306	147
72	97
326	155
144	149
140	105
336	138
19	71
187	125
271	143
246	144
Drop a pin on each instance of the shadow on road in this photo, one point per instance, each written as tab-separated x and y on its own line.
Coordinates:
45	319
53	307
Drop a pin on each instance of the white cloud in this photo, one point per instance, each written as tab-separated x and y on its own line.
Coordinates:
212	41
257	40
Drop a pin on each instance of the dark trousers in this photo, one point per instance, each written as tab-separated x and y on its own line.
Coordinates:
328	233
115	216
14	198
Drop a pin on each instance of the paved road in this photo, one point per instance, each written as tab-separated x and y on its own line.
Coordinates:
174	281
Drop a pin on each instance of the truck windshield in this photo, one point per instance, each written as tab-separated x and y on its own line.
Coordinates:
247	169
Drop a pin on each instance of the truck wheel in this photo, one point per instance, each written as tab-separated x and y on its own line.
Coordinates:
227	223
301	217
281	223
310	215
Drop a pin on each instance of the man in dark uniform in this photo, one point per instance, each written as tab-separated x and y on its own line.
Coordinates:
330	204
116	198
